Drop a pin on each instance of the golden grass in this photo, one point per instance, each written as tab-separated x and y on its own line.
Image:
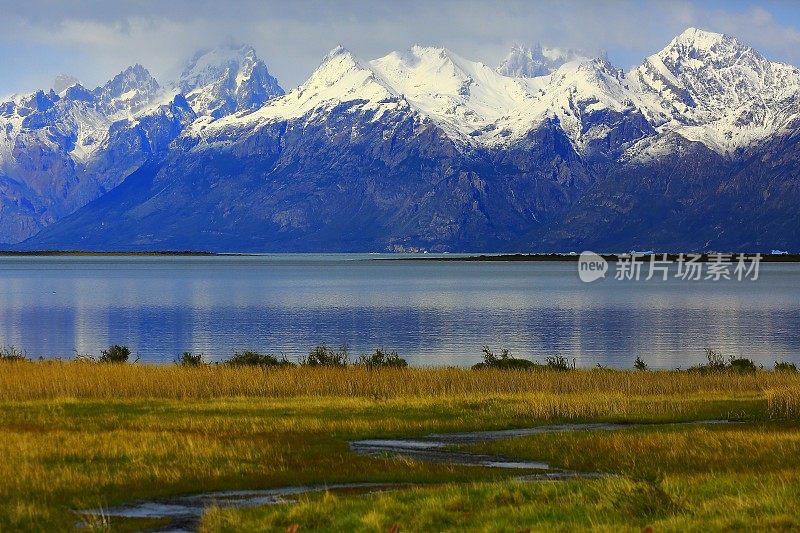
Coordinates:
784	402
88	435
53	380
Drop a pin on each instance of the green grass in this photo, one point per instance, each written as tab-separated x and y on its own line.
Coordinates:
673	478
68	443
649	453
690	503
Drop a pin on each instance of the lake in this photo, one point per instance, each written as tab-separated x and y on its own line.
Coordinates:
430	312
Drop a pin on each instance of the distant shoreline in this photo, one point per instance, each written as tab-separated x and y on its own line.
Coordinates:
704	257
47	253
488	257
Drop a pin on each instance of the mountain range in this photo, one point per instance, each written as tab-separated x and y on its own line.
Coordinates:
695	149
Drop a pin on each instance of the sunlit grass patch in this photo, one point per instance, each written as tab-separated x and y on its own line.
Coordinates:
704	503
81	435
51	380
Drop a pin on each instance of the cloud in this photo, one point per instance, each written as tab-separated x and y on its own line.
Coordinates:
93	40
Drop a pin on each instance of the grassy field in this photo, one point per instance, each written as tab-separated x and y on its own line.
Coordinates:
80	435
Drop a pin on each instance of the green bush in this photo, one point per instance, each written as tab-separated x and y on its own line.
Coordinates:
785	366
190	359
717	362
504	360
324	356
639	364
115	354
742	364
249	358
383	359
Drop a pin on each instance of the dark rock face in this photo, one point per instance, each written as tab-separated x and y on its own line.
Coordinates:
396	184
349	183
692	199
44	178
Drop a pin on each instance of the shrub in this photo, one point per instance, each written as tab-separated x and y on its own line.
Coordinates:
785	366
557	362
639	364
742	364
190	359
12	353
382	359
324	356
249	358
115	354
719	363
504	360
716	361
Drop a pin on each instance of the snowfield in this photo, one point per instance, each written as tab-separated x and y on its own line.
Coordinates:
704	86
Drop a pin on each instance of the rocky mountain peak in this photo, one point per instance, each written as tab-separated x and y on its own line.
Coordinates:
227	79
703	77
130	90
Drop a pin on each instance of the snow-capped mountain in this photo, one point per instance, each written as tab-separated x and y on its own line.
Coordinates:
474	104
460	96
62	149
129	91
225	80
703	86
424	149
534	61
711	88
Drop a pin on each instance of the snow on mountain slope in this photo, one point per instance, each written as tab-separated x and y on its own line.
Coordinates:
341	77
72	123
76	120
530	62
471	102
227	79
704	86
581	95
711	88
463	96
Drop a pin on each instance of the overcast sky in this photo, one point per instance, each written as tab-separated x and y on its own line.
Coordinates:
93	40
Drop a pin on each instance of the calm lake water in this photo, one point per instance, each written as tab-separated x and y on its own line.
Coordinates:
432	313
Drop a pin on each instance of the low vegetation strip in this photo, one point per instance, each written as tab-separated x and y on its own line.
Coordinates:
20	381
91	435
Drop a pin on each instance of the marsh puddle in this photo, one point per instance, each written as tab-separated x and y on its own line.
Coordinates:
184	512
437	448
